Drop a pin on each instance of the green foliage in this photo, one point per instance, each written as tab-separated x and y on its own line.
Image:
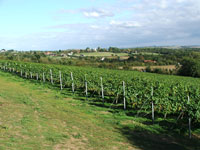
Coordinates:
148	69
114	49
190	67
170	92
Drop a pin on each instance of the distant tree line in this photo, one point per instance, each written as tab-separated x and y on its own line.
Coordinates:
186	59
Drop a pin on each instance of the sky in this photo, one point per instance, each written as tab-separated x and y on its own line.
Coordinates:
66	24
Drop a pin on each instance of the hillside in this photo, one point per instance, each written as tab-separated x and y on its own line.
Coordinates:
37	116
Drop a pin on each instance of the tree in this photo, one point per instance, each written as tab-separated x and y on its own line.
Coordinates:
87	49
190	67
114	49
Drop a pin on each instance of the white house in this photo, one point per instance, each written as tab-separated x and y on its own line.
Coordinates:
70	54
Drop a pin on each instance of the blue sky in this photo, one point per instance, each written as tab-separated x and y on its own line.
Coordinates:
62	24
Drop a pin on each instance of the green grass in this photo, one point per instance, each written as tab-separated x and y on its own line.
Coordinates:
38	116
102	54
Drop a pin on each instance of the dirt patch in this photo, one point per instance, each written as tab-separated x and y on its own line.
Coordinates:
73	144
124	57
104	112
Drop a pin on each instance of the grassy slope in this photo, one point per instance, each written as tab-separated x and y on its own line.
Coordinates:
33	116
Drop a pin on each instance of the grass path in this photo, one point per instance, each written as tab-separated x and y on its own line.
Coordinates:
33	116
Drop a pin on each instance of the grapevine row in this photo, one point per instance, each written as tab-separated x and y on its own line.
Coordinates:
168	95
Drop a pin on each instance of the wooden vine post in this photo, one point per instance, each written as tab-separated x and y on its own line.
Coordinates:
124	92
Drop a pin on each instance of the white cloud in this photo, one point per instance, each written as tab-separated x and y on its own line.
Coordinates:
95	27
126	24
92	14
97	13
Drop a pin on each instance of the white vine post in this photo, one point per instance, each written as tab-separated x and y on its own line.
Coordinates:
43	77
102	92
124	95
72	82
31	75
60	80
37	76
86	92
190	133
21	73
25	74
51	76
152	105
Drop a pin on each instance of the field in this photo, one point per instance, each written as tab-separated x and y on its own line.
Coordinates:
39	116
102	54
168	67
146	53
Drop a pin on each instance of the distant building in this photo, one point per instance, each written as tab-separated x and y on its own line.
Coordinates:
48	53
70	54
78	51
53	54
63	55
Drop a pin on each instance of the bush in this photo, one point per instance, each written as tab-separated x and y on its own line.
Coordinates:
190	67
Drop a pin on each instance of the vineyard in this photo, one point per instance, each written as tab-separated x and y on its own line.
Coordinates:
143	92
